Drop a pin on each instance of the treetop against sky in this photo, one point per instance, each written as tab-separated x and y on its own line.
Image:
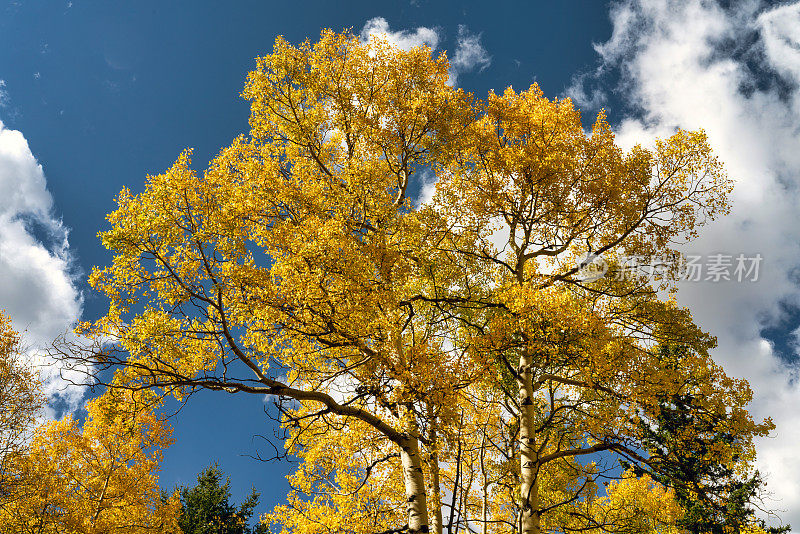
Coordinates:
95	98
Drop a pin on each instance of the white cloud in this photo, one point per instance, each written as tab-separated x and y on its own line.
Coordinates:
38	289
780	31
469	52
469	55
734	72
404	39
3	94
427	179
587	98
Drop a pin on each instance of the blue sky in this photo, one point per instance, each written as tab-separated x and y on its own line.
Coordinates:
96	95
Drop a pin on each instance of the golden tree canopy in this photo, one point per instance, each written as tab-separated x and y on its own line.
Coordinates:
298	266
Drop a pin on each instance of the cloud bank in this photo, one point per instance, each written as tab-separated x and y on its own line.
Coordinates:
38	287
735	72
469	53
404	39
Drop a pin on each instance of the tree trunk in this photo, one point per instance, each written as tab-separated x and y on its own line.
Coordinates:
436	496
102	497
529	490
485	486
436	516
416	500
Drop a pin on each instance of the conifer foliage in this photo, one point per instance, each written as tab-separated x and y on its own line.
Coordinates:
206	507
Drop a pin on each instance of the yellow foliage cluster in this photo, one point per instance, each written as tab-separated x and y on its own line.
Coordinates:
97	479
437	363
61	477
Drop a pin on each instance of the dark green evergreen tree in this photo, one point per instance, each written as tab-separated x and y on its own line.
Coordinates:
206	507
715	499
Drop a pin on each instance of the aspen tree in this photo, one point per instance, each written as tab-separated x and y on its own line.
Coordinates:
297	266
21	403
544	198
98	478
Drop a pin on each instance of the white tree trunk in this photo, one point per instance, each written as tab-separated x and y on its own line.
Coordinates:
416	499
485	486
436	496
529	490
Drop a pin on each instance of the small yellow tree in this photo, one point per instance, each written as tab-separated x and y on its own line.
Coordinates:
98	479
21	402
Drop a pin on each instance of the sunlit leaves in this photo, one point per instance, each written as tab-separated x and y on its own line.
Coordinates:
457	335
98	478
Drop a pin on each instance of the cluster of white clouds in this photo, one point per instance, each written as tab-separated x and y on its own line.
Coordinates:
469	53
37	281
404	39
735	72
